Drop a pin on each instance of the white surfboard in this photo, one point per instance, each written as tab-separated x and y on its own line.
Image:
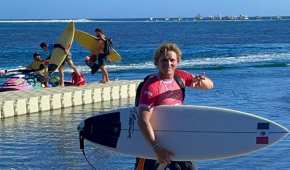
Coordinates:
191	132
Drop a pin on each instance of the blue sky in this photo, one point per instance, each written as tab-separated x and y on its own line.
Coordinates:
68	9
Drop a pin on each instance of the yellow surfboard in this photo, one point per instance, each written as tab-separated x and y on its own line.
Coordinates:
90	42
58	55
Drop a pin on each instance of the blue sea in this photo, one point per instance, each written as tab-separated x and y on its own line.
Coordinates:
247	60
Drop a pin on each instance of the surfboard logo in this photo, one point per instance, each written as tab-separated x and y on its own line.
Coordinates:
262	140
132	119
263	137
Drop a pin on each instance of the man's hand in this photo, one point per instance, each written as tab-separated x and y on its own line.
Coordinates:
163	155
201	81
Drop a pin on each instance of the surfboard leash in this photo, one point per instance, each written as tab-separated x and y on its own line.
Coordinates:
82	147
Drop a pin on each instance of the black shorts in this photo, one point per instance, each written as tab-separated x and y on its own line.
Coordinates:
96	66
150	164
101	59
67	58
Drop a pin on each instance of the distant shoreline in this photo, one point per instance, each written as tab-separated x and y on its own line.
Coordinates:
152	19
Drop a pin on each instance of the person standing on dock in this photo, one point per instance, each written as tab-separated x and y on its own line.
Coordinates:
100	56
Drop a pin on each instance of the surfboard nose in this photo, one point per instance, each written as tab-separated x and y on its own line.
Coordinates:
284	131
276	128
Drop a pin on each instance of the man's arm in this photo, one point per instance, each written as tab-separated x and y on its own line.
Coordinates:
195	81
144	116
202	82
145	125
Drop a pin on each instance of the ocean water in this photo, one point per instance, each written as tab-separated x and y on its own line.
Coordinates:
247	60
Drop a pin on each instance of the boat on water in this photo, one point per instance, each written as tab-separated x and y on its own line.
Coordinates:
20	82
29	81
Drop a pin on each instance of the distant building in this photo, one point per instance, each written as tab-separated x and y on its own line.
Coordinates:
198	17
243	17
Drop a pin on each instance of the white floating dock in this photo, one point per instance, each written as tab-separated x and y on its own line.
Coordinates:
15	103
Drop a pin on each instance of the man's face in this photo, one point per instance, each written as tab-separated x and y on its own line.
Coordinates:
167	63
100	35
45	48
37	57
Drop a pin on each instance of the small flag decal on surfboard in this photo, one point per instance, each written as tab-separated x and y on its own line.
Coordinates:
263	126
262	140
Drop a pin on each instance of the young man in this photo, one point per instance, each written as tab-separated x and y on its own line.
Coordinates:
162	89
48	49
38	66
101	56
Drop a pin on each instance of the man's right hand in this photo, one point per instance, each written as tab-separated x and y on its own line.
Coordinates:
163	155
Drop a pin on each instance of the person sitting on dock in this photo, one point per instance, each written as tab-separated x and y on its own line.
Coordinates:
39	67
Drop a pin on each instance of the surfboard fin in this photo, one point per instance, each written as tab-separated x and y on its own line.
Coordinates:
104	129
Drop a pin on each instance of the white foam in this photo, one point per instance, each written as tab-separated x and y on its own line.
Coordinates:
47	21
195	61
244	59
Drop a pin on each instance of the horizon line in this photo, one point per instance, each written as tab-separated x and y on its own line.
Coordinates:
88	18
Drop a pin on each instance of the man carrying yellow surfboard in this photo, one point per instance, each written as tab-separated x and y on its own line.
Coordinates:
100	55
48	48
101	50
58	53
